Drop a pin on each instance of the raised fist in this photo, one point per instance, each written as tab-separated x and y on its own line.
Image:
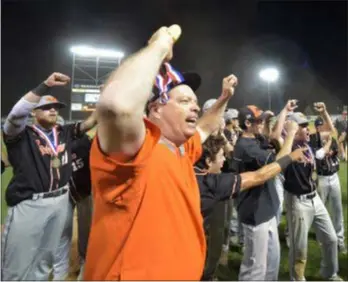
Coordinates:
291	105
57	79
320	107
229	84
166	37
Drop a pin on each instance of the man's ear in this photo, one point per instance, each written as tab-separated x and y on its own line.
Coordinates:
247	124
156	109
208	162
33	114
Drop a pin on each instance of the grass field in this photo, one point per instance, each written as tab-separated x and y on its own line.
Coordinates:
231	272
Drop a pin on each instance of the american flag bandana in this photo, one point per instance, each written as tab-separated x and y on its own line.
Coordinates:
165	80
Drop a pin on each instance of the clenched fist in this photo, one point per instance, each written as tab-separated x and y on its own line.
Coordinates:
166	37
229	84
57	79
320	107
291	105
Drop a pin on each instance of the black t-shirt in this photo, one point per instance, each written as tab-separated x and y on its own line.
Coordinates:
261	203
31	159
300	177
214	188
81	177
330	163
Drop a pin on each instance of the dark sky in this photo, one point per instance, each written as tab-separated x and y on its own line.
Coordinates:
307	41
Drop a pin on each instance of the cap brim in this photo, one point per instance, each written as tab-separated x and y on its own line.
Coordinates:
57	105
192	79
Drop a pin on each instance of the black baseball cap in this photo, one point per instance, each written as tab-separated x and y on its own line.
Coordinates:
250	113
318	122
170	78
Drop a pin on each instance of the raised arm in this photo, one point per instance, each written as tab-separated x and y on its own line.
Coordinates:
276	133
18	116
120	109
260	176
291	128
320	107
210	120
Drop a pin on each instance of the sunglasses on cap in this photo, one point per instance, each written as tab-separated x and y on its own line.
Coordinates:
48	107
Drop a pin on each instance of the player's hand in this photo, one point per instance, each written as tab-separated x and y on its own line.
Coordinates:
57	79
291	105
291	126
320	107
229	84
166	37
299	155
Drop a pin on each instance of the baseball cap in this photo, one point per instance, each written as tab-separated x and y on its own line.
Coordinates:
318	122
230	114
49	100
251	113
168	78
208	104
298	117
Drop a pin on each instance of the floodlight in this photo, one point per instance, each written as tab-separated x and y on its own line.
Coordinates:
269	74
87	51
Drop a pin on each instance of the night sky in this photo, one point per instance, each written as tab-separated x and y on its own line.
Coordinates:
307	41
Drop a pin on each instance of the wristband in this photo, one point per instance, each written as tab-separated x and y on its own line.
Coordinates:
284	162
41	89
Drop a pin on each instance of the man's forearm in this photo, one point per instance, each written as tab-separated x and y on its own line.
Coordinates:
89	123
327	119
210	121
287	146
277	130
18	117
129	87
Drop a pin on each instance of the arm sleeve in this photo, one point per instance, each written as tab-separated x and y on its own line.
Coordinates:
17	118
228	185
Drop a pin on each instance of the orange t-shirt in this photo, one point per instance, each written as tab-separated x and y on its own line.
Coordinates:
147	223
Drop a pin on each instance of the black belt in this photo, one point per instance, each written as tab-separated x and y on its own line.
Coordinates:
308	196
326	173
51	194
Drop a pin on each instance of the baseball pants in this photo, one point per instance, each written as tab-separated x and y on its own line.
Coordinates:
261	256
301	213
62	255
31	236
329	189
84	219
278	183
215	240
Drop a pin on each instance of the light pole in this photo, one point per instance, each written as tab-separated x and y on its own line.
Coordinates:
90	67
269	75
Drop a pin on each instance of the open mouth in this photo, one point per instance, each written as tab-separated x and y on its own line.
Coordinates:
191	121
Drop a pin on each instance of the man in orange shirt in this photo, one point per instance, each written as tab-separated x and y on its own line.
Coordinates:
147	223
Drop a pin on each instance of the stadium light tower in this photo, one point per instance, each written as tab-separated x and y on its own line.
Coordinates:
90	68
270	75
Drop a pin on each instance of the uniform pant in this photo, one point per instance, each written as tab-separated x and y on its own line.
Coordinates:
301	214
84	219
31	236
215	240
261	256
278	182
329	189
62	255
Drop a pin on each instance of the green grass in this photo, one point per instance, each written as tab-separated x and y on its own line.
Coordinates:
314	253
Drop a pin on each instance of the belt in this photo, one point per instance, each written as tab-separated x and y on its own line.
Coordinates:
52	194
308	196
326	173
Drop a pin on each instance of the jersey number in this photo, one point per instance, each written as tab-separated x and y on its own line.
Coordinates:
77	164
